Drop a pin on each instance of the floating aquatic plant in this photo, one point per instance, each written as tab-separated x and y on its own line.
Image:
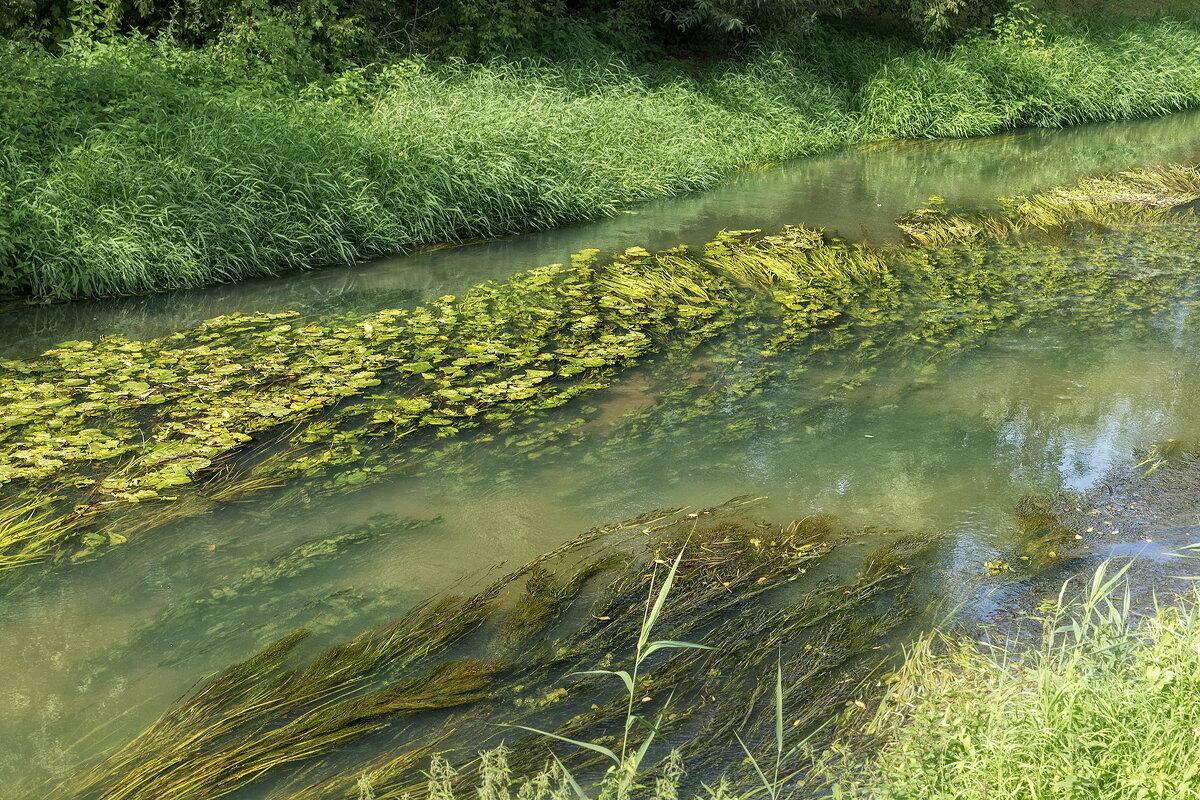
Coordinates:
127	436
1135	197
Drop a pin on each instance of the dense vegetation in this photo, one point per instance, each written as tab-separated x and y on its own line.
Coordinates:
360	30
105	440
1104	709
135	161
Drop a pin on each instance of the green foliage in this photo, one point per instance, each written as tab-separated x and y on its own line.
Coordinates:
130	435
764	21
1104	709
134	166
335	31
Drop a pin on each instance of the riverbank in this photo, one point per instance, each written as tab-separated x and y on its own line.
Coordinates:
1103	708
137	167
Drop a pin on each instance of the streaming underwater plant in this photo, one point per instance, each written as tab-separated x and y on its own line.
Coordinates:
537	649
1136	197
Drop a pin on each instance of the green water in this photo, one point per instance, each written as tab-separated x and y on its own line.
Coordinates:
944	443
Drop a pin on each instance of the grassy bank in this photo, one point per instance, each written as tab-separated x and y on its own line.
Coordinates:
129	166
1105	709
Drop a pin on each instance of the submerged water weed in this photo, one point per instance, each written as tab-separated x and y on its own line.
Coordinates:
117	423
28	533
129	436
934	305
547	670
1136	197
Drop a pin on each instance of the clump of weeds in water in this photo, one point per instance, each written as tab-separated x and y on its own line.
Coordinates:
121	425
1137	197
130	436
928	308
1103	707
28	533
551	669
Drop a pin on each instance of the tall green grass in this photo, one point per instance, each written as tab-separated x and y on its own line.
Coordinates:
1105	709
128	166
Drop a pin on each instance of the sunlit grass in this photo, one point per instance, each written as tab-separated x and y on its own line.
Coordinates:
1105	709
130	168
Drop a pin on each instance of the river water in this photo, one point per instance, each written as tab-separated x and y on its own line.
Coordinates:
946	445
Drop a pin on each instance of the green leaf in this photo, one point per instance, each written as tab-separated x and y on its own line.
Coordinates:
754	762
663	591
571	779
641	751
778	706
620	673
597	748
665	644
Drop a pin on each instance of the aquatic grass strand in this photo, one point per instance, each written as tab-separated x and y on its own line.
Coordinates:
264	717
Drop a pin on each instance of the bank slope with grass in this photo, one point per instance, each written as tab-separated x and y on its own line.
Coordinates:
129	166
1104	709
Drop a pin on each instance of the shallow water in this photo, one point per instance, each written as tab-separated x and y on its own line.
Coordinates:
943	445
855	193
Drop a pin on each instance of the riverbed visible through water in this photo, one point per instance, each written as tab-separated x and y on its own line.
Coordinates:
934	441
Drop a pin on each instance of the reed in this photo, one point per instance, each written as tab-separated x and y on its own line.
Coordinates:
132	167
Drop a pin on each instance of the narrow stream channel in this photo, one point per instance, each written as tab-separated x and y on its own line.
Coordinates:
946	445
